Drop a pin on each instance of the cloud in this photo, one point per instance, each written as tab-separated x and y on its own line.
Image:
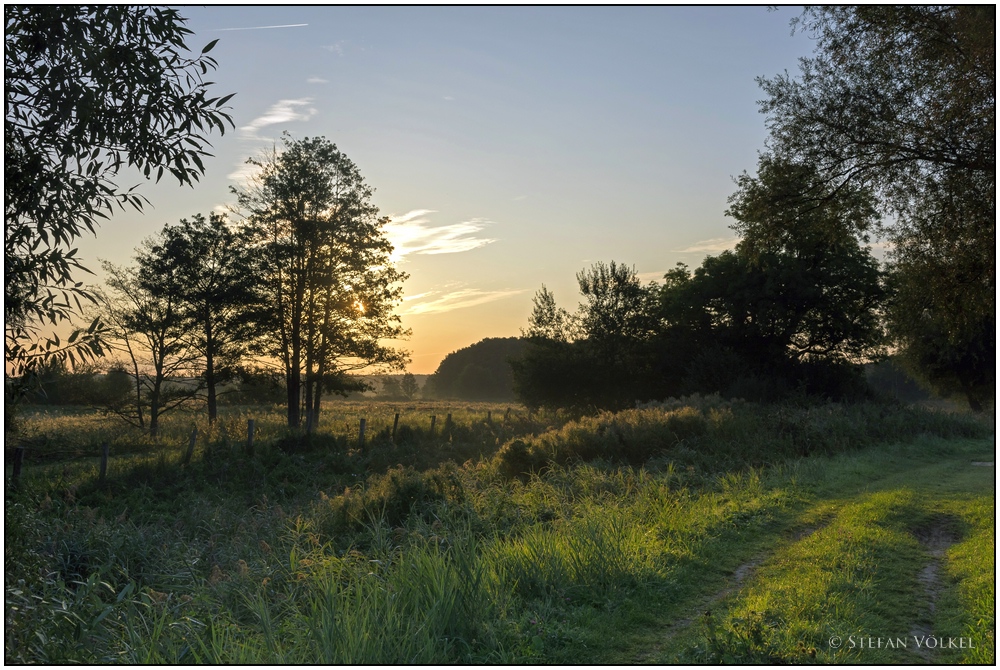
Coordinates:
412	234
715	244
449	97
317	80
466	297
287	25
243	173
282	111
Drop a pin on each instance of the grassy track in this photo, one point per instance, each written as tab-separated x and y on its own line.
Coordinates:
888	548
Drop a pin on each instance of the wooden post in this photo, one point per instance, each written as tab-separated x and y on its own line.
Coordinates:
18	462
433	419
506	416
104	462
361	434
489	416
447	422
250	431
190	451
395	422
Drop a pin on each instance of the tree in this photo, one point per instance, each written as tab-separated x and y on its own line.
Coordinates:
480	371
800	292
601	356
902	100
89	90
409	386
391	389
209	266
147	322
329	283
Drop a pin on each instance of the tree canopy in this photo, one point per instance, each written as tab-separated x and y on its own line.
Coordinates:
480	371
89	91
328	280
901	100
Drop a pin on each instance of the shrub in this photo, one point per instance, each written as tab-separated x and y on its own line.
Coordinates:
391	497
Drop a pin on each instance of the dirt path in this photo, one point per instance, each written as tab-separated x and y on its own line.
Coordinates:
739	577
936	536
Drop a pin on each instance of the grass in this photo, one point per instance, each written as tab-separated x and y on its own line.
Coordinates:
542	539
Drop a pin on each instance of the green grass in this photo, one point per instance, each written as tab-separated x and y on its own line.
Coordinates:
599	540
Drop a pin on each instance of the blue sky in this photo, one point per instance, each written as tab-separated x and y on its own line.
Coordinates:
513	146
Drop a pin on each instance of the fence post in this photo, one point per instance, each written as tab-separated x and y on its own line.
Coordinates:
250	432
190	451
489	416
433	419
104	462
361	434
18	462
395	422
506	416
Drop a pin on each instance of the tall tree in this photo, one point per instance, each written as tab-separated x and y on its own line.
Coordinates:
902	100
329	281
88	90
214	274
801	290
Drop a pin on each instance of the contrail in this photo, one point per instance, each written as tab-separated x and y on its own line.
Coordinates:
287	25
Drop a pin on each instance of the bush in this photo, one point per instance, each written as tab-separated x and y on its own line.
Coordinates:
392	498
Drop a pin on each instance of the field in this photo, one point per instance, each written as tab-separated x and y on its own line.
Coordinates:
700	530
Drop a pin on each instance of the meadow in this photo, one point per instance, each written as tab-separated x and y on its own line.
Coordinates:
695	530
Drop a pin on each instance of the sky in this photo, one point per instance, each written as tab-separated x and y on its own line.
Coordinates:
511	146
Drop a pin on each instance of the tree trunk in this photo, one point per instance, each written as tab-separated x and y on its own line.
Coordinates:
213	409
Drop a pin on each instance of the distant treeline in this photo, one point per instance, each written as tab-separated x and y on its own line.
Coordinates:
481	371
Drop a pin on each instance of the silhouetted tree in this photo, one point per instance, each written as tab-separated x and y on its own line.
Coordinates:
480	371
147	323
88	90
329	282
603	356
902	100
214	273
409	386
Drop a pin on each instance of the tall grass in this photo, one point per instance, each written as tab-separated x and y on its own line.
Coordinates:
442	549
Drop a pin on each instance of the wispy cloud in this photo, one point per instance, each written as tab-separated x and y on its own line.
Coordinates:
282	111
317	80
241	174
286	25
716	244
412	233
447	302
337	47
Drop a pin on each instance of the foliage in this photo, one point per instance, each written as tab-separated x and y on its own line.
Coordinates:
89	90
147	323
86	385
480	371
240	559
409	386
902	101
209	270
328	281
604	356
796	306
